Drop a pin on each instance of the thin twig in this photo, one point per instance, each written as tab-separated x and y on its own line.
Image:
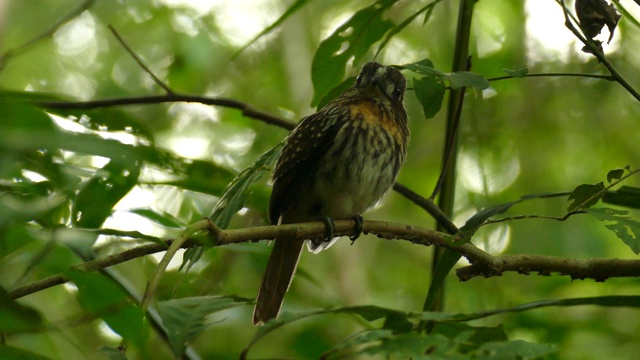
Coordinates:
593	76
135	57
22	48
247	110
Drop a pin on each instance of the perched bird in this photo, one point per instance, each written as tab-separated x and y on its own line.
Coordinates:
335	164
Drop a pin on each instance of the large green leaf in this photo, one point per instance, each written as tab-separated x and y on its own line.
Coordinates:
351	40
15	317
184	319
101	296
430	93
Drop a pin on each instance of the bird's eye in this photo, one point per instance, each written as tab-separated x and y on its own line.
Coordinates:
397	93
358	79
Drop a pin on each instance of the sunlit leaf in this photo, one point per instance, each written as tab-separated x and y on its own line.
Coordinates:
516	350
184	319
625	228
351	40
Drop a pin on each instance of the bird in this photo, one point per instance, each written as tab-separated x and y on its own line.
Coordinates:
335	164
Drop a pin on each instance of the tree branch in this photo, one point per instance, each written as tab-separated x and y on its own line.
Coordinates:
483	264
246	109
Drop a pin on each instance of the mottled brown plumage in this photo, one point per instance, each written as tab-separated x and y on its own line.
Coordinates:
335	164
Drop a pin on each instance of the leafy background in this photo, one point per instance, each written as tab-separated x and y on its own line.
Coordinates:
156	168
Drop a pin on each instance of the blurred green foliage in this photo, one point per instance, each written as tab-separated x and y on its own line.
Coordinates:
157	167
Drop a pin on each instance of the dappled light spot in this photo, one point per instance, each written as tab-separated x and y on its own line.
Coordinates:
488	171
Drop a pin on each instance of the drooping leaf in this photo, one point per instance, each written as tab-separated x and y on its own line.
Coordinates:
351	40
585	195
625	228
102	296
430	93
184	319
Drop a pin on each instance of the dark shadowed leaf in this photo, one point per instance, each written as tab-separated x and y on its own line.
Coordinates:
625	196
103	191
585	195
12	353
430	93
336	91
614	175
15	317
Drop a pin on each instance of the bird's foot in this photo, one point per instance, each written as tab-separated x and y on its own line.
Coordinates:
357	230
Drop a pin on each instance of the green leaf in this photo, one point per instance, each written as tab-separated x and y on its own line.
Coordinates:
351	40
234	198
184	319
424	67
585	195
12	353
164	218
446	261
237	192
625	196
15	318
614	175
430	93
625	228
102	296
516	350
103	191
462	79
519	72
